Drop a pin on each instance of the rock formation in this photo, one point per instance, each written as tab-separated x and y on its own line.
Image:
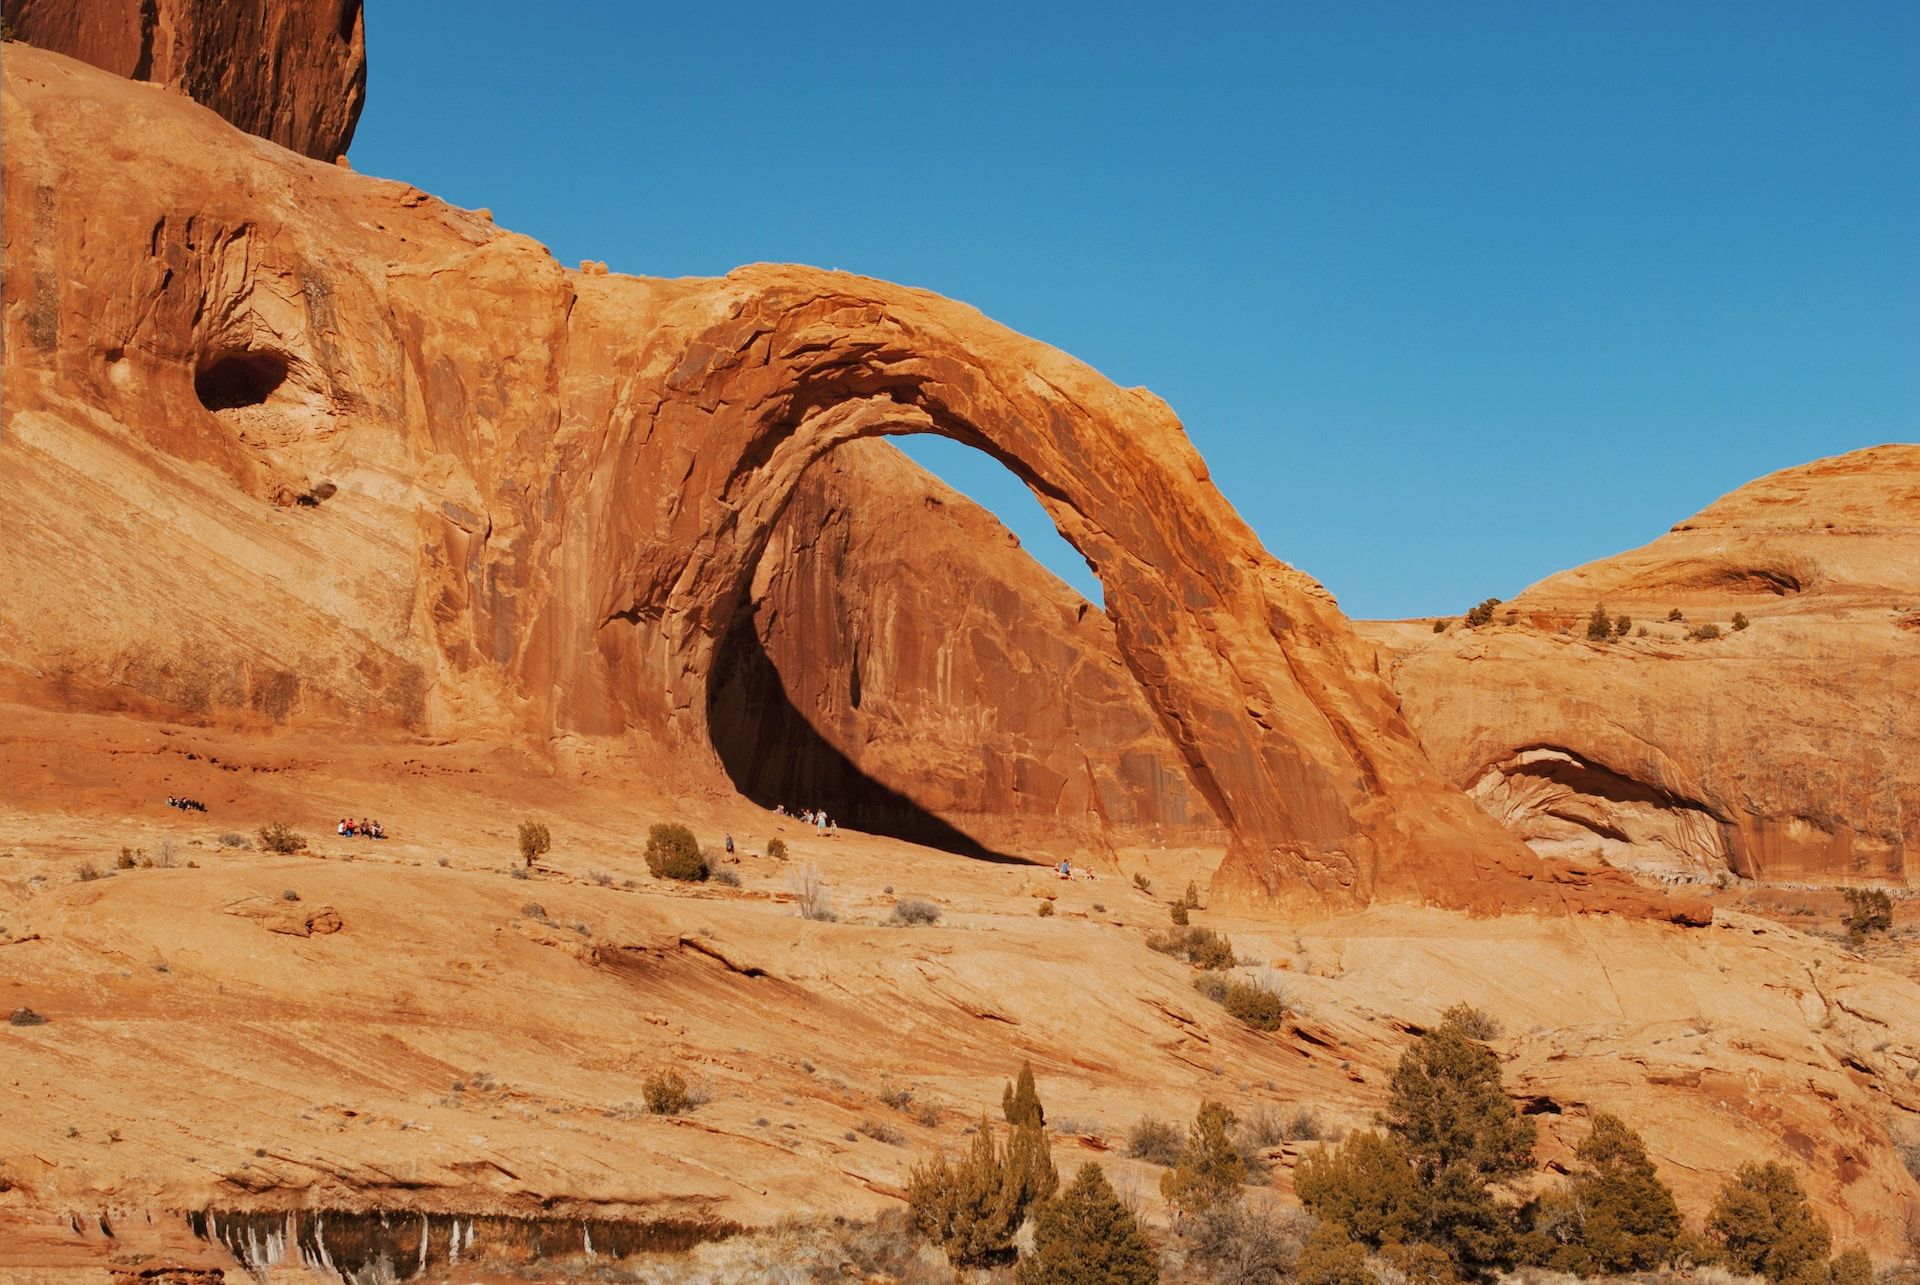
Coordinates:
952	680
293	71
1785	750
289	442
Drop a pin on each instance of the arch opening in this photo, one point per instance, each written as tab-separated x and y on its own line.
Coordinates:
234	380
875	667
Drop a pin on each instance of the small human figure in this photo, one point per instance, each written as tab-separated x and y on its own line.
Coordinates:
729	845
1066	867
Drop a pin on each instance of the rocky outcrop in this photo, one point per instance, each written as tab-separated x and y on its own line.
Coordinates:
1785	750
943	679
293	71
290	444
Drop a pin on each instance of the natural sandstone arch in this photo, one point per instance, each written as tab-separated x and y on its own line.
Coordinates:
1248	664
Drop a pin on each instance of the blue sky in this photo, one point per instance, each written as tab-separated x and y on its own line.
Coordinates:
1451	296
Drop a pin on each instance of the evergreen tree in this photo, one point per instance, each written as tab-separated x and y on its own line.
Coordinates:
1367	1186
1210	1168
1021	1103
1452	1119
1087	1237
1764	1226
1332	1258
1599	624
1623	1218
972	1209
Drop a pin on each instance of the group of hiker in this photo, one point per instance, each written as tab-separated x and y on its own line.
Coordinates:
348	828
1065	870
815	817
185	805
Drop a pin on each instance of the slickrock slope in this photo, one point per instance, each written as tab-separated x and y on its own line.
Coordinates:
953	680
1785	751
287	443
294	71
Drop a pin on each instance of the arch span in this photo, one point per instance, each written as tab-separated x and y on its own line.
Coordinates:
1294	742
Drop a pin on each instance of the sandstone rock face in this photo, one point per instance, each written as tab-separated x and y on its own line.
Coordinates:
952	680
294	71
1786	751
288	443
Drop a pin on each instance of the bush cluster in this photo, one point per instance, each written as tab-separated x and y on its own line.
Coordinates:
1199	946
972	1208
666	1093
1483	613
275	836
911	911
673	853
1869	910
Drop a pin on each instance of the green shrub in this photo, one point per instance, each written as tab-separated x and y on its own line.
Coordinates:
1366	1186
1869	910
1154	1140
1210	1169
1762	1225
1676	615
1191	898
126	860
25	1017
1704	633
535	841
1332	1258
1020	1102
1440	626
673	853
1085	1236
1143	883
1471	1022
1178	911
971	1209
1740	621
275	836
1483	613
1255	1004
1599	624
1851	1268
1199	946
1622	626
777	849
1046	910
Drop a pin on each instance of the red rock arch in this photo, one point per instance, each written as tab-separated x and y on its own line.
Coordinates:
1298	747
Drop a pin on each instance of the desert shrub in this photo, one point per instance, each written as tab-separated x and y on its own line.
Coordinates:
726	876
533	910
535	841
518	872
1474	1023
811	895
880	1132
1852	1267
971	1209
1199	946
1440	626
1622	626
1154	1140
275	836
777	849
1599	624
86	872
1210	1169
1366	1186
1704	633
1331	1257
1761	1223
1415	1263
1618	1217
1676	615
666	1093
25	1017
1305	1126
232	840
1020	1101
1143	883
601	877
1740	621
673	853
1085	1236
127	860
1239	1243
1482	613
1191	898
1212	985
910	911
1046	910
1178	912
1261	1127
288	894
897	1098
1256	1004
1869	910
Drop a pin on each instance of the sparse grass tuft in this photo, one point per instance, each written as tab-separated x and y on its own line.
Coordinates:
232	840
913	911
85	872
811	895
725	876
1155	1141
883	1133
25	1017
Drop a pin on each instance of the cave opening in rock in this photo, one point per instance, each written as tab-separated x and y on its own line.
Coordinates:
236	379
861	673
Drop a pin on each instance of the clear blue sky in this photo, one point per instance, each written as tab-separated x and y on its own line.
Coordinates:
1451	296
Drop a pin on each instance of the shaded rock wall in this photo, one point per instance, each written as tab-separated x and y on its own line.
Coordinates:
293	71
288	443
